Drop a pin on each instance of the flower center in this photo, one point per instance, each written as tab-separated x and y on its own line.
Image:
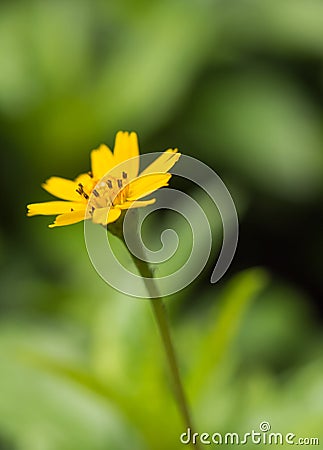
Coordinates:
109	192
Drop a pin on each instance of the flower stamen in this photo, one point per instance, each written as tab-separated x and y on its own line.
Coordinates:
80	191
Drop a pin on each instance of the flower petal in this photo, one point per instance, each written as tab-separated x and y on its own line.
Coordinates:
145	185
68	219
126	147
52	208
85	179
102	161
62	188
106	215
136	204
163	163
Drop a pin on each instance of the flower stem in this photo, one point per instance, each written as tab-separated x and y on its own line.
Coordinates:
162	321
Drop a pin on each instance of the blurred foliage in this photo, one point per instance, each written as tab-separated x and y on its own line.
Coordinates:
236	84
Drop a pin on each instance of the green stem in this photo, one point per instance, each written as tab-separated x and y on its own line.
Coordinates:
162	321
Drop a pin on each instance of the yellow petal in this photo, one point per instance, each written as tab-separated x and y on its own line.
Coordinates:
125	147
107	215
101	161
68	219
62	188
85	179
136	204
145	185
163	163
51	208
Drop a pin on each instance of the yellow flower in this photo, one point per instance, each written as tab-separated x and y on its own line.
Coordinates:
99	198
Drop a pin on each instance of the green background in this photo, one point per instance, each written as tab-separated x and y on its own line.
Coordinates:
237	84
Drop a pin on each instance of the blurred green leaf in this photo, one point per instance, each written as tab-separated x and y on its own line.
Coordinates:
226	319
260	123
292	27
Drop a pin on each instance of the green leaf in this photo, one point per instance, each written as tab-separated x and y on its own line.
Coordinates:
226	319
